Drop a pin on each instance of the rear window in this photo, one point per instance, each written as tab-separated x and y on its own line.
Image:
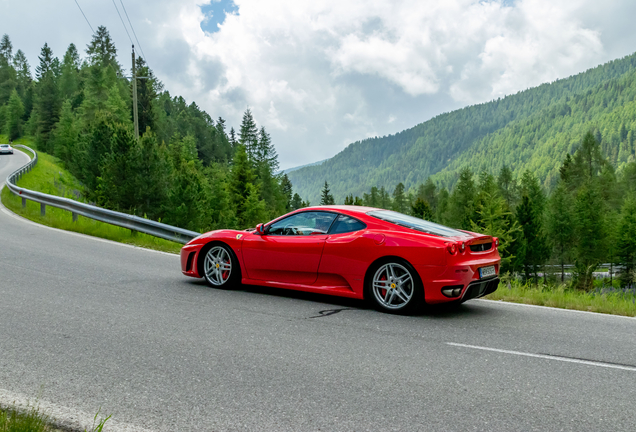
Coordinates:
4	145
415	223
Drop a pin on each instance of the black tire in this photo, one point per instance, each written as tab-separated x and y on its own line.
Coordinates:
219	266
392	285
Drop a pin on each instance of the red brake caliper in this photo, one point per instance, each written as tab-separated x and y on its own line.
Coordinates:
383	291
225	273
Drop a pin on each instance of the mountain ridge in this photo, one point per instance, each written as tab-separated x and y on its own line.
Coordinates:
439	146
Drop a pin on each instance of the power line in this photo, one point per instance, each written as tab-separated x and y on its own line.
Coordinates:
89	24
133	30
122	22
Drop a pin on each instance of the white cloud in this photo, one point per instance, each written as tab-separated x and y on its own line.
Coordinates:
319	75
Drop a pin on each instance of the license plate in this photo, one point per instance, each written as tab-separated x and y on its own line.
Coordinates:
486	272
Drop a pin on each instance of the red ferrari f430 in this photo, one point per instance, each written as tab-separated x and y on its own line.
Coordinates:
397	262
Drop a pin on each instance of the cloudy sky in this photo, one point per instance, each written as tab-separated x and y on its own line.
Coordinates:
322	74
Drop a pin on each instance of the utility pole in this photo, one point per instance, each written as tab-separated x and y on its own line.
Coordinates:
134	89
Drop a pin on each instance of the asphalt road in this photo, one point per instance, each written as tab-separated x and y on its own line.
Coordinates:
89	323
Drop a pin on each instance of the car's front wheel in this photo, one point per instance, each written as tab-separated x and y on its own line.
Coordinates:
220	267
395	287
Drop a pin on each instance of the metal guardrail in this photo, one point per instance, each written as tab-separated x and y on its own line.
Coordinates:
134	223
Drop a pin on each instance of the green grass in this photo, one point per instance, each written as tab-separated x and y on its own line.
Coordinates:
30	421
50	177
33	420
562	296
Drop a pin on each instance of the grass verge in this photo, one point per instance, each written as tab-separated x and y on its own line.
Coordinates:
33	420
30	421
564	297
49	177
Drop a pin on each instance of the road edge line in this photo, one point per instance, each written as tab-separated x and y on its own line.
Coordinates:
552	308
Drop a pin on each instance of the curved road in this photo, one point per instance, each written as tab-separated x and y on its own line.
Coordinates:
90	323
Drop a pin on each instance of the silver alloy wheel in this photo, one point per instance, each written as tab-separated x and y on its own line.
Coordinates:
393	286
218	266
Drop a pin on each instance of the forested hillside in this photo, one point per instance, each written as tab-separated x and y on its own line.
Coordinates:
186	168
532	129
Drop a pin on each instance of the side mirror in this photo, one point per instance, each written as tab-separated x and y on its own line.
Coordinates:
260	229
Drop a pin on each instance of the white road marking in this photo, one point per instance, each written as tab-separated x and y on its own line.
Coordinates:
550	308
548	357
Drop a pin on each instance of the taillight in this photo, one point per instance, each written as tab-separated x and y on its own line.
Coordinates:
462	247
495	240
451	248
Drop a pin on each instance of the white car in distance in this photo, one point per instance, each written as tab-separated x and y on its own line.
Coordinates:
6	149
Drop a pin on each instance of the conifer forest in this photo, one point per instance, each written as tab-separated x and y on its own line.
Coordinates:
550	171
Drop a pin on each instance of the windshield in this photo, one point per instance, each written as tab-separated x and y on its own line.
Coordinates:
415	223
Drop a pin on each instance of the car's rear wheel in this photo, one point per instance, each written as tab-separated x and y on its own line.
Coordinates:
220	267
394	286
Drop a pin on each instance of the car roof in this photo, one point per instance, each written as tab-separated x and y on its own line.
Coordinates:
345	209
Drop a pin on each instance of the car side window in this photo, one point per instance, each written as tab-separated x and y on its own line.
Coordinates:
302	224
346	224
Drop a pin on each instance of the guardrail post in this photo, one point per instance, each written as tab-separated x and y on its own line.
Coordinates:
23	202
43	209
74	216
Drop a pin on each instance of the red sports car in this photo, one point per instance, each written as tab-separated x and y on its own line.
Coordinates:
398	262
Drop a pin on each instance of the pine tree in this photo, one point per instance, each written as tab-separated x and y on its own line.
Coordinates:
296	202
146	95
286	190
248	136
47	100
441	213
70	79
7	82
255	208
233	140
152	178
533	252
97	144
325	197
507	186
13	115
117	107
496	219
188	200
462	201
24	82
6	48
627	242
117	185
372	199
590	233
588	160
428	192
241	186
560	225
421	209
265	153
226	150
101	51
384	199
65	136
400	203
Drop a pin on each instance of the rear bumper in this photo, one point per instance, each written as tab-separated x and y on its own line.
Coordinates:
480	288
459	279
